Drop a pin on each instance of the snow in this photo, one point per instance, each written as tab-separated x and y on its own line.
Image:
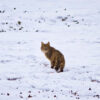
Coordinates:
71	26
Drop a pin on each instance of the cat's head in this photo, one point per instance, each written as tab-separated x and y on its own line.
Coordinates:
45	47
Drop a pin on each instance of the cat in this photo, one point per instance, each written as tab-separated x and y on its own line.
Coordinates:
56	57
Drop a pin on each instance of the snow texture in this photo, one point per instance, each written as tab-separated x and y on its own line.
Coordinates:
71	26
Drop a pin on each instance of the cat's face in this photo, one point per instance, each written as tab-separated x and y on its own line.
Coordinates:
45	47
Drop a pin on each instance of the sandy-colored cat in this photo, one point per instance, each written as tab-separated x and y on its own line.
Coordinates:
56	57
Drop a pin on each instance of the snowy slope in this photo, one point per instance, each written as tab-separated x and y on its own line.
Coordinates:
71	26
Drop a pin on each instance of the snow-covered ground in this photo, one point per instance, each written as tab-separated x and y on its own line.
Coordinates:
71	26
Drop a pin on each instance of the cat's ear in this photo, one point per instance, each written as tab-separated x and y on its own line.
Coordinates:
42	43
48	43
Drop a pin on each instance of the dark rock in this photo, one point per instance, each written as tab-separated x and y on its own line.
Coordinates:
90	89
55	96
8	94
14	8
19	22
29	96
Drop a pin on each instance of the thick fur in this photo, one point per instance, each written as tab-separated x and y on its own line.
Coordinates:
56	57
